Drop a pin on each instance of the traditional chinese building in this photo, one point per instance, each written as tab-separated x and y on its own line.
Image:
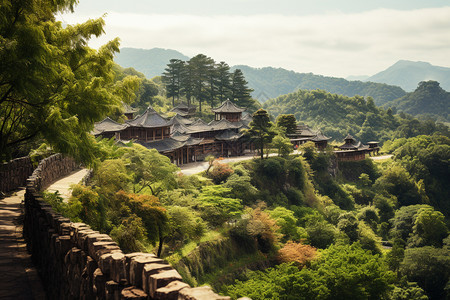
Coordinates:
353	149
184	110
181	139
304	133
229	111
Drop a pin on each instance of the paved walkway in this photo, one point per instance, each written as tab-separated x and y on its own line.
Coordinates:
381	157
18	278
63	186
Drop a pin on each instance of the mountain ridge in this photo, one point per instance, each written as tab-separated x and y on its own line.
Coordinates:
408	74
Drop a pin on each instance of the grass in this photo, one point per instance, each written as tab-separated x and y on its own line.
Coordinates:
189	247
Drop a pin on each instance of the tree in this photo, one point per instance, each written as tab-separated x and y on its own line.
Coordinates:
429	227
287	222
216	207
288	122
261	130
172	78
52	85
398	182
240	91
150	169
200	67
429	267
298	253
283	145
223	81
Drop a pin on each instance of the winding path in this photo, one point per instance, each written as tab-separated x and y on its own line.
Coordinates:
18	278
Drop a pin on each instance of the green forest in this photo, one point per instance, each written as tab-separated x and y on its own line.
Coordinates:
337	115
289	225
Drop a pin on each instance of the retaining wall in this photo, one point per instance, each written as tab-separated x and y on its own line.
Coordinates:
76	262
14	174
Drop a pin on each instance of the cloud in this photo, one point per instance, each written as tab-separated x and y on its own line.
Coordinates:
333	43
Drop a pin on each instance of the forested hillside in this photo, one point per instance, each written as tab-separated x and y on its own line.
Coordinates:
266	82
338	115
270	83
428	100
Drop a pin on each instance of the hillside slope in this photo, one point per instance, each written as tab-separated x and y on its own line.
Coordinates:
408	74
272	82
428	99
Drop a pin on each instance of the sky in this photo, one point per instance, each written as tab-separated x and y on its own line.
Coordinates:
327	37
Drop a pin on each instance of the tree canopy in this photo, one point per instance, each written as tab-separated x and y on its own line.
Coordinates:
52	85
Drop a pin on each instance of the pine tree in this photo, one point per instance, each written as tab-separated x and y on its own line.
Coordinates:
172	78
223	81
240	91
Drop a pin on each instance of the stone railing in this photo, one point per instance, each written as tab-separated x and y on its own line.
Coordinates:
14	174
76	262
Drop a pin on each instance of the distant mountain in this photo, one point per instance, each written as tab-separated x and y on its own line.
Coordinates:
272	82
151	62
429	99
408	74
267	82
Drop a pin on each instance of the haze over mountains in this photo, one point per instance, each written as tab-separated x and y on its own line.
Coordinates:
269	82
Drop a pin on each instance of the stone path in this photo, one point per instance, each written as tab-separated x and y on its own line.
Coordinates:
381	157
63	185
18	278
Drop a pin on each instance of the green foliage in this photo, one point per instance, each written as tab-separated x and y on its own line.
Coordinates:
427	159
287	222
86	205
397	182
428	99
352	170
241	188
150	169
404	219
321	234
341	272
283	145
288	122
408	291
184	225
216	207
53	86
339	115
129	234
429	227
429	267
271	82
261	130
202	79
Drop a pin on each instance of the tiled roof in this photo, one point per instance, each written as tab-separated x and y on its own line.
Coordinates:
320	137
228	135
107	125
178	119
127	109
149	119
165	145
228	107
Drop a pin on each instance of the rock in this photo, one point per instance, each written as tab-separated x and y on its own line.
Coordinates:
150	269
162	279
200	293
170	291
133	293
136	265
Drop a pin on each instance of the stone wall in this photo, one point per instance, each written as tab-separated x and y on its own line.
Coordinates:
14	174
76	262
